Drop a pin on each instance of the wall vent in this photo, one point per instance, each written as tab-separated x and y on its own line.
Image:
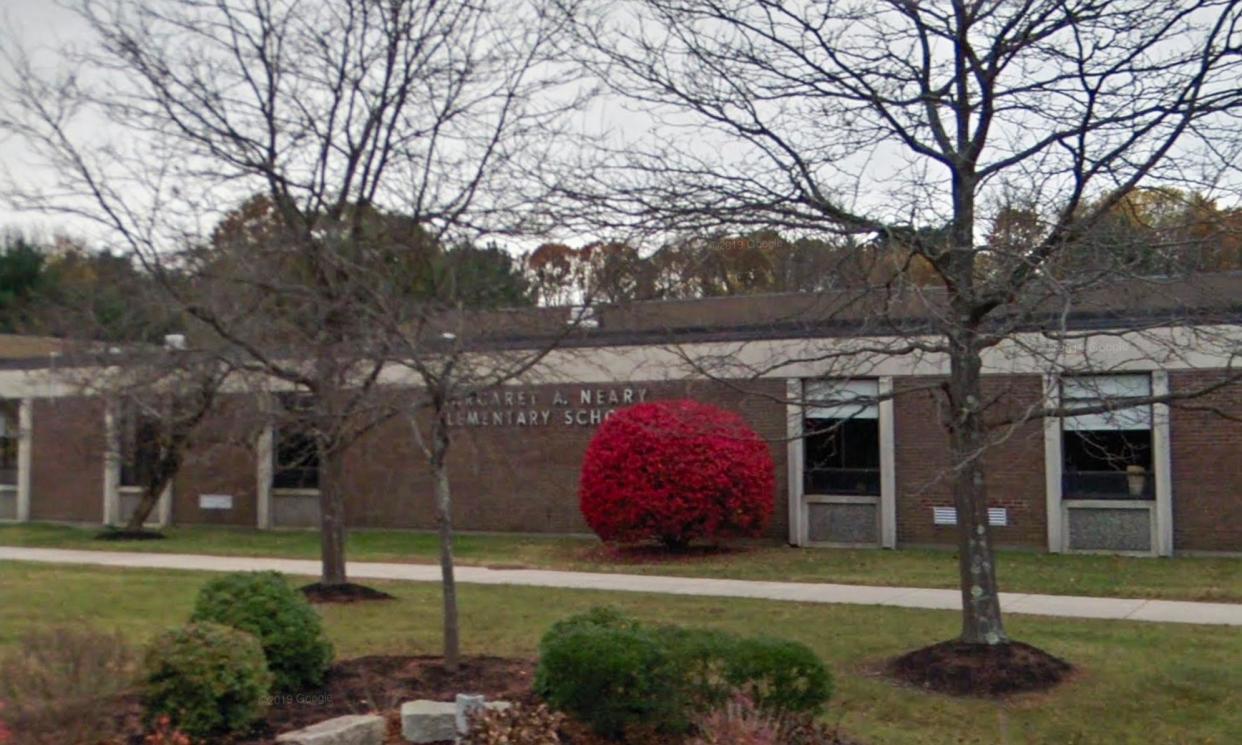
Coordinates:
997	516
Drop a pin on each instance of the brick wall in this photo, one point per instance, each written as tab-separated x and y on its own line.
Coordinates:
220	460
515	478
525	478
1014	464
67	460
1207	482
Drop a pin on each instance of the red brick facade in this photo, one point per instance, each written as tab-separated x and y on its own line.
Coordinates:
523	478
67	460
1205	434
221	461
1014	464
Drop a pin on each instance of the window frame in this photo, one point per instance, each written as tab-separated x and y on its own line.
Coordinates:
1130	481
829	408
10	442
301	474
135	456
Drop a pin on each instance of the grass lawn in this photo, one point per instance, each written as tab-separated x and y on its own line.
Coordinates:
1140	683
1218	579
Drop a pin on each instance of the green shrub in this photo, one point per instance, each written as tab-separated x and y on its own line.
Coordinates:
778	675
612	674
699	656
264	604
207	678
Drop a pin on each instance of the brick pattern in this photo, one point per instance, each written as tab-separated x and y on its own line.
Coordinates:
1207	482
220	460
514	478
67	460
1014	464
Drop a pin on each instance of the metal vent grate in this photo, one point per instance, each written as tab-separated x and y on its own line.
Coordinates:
997	516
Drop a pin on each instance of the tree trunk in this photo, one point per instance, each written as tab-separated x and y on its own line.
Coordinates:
444	523
332	515
166	469
150	498
981	614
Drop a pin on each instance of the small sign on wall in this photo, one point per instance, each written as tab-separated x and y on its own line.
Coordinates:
215	501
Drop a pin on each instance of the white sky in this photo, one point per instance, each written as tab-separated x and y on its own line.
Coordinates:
43	26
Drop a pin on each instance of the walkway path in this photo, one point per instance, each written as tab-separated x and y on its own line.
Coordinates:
1164	611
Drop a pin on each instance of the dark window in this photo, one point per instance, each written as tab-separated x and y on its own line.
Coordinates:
1106	454
297	461
1108	464
842	456
9	430
140	447
294	450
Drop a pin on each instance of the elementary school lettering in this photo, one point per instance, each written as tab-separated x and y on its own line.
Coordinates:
583	407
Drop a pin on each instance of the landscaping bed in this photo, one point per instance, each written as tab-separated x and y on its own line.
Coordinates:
1136	682
381	683
980	670
375	683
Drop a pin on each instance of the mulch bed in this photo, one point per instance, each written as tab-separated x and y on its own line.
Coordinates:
378	683
342	593
381	683
980	670
129	535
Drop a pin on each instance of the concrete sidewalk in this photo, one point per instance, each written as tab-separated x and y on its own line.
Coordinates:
1162	611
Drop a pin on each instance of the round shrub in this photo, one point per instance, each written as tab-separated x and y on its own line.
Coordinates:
288	628
778	675
614	673
207	679
676	471
610	673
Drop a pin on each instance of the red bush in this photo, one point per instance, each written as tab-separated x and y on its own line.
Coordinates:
675	471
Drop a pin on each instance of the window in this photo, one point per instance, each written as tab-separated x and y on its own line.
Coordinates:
841	432
140	446
294	450
9	431
1107	454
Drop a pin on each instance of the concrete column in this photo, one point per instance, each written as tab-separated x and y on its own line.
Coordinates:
25	453
794	459
888	466
112	465
1162	464
263	478
163	510
1053	463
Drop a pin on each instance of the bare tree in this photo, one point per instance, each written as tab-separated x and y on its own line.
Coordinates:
337	115
126	344
448	349
162	400
909	125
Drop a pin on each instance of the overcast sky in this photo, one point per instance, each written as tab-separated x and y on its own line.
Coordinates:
43	25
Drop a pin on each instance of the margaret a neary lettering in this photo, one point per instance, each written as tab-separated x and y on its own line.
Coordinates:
582	407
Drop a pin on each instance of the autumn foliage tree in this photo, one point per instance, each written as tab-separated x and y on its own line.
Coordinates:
674	472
